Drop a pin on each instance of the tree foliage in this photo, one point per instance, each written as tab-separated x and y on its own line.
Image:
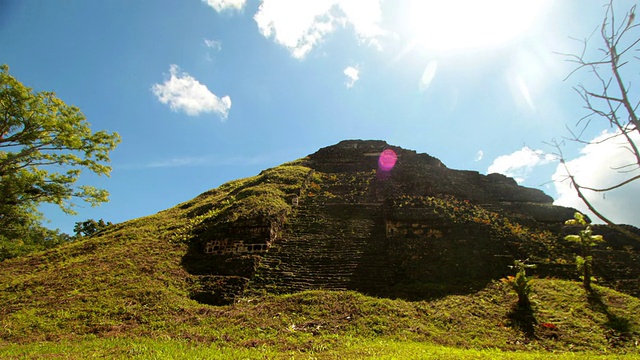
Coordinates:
34	237
45	144
608	99
90	227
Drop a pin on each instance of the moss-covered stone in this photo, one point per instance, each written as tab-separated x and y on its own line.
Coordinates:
334	220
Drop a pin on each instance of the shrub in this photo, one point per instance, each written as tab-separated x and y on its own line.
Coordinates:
520	283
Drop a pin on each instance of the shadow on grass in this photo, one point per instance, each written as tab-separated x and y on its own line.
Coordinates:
523	319
619	328
429	291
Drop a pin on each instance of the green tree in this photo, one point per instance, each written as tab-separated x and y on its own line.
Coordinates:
586	240
44	146
90	227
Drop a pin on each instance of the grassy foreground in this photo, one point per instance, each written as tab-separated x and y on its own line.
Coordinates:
352	348
564	323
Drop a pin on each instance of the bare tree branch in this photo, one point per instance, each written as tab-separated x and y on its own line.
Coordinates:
612	187
609	99
582	197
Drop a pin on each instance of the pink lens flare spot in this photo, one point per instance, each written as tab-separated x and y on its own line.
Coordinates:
387	160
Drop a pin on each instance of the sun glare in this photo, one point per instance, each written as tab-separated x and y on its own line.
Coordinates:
449	25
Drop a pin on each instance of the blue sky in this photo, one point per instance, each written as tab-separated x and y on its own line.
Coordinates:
205	92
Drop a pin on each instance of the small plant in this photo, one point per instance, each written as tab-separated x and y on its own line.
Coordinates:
521	283
587	240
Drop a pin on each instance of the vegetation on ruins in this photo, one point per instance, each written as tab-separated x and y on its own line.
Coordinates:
125	291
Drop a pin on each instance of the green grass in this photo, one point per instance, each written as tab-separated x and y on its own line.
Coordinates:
339	322
351	348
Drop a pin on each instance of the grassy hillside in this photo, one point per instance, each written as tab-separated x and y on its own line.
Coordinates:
129	278
323	323
126	292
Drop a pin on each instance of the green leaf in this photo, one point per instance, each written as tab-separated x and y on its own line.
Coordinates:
573	238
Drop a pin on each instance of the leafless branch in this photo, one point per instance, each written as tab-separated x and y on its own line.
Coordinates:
578	188
611	187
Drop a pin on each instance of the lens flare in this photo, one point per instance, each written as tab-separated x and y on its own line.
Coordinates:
387	160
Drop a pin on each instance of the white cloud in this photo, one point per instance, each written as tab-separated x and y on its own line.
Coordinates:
365	17
210	160
213	44
352	74
301	25
596	168
184	93
520	163
479	155
222	5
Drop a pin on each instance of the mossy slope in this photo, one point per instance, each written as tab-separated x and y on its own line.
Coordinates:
131	275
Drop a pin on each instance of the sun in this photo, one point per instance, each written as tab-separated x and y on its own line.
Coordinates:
451	25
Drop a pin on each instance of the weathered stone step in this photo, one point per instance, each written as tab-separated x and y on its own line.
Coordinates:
312	255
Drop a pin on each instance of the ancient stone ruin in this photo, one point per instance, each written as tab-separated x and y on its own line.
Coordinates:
416	230
253	239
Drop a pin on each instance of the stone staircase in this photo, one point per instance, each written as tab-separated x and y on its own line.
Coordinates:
332	247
